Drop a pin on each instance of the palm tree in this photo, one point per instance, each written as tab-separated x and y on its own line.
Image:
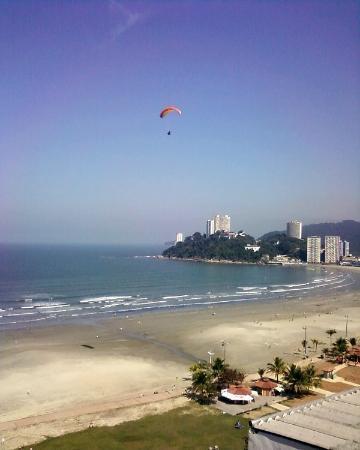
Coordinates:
277	367
310	377
218	366
340	347
202	387
315	343
294	378
261	373
352	341
330	333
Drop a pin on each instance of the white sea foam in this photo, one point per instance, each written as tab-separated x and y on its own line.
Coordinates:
169	297
105	299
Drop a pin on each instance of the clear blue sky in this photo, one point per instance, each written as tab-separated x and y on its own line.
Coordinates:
269	132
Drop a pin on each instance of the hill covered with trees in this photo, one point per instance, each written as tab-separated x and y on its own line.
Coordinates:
220	247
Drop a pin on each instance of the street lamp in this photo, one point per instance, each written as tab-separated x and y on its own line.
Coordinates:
346	326
223	345
305	342
211	354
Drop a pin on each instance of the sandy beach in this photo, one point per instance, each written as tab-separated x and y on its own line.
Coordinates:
64	378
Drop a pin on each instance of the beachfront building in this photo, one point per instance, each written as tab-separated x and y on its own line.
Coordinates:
265	387
332	245
330	422
210	227
294	229
237	394
254	248
222	223
313	249
179	237
346	248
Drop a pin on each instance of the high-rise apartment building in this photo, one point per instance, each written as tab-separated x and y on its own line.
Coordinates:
294	229
179	237
313	249
346	248
341	248
332	249
210	227
222	223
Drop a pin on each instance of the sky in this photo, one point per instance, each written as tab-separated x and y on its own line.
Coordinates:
269	131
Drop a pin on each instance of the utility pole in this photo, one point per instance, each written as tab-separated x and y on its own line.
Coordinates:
223	345
305	346
346	327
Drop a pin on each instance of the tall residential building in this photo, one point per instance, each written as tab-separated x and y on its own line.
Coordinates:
346	248
222	223
313	249
179	237
341	248
210	227
294	229
332	249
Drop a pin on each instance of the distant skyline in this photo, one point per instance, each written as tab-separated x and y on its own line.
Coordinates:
270	95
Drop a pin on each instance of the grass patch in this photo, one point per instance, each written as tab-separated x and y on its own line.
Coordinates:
190	427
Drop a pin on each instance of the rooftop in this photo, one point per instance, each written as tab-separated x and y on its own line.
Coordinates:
330	423
265	383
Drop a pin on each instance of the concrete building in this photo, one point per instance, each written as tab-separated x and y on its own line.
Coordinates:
332	244
210	227
346	248
328	423
222	223
341	248
313	249
294	229
179	237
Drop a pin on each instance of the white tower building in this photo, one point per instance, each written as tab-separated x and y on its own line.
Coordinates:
313	249
294	229
210	227
222	223
179	237
346	248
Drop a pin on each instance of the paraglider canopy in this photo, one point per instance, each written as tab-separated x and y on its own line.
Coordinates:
170	109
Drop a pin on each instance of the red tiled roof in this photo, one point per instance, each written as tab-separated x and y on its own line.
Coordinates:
265	383
239	390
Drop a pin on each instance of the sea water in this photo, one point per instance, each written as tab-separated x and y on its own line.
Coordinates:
42	284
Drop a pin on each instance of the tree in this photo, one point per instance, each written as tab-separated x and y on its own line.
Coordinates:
277	367
230	376
315	343
202	387
340	347
294	378
261	373
299	380
352	341
310	378
330	333
218	367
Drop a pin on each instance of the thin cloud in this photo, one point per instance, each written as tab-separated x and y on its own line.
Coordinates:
124	18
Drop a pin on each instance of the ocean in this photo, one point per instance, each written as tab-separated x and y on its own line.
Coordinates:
41	284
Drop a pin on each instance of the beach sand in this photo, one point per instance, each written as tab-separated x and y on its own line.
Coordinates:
53	382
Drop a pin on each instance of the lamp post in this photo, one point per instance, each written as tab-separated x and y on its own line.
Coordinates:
223	345
346	326
211	354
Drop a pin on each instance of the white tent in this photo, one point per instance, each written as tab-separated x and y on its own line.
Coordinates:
236	397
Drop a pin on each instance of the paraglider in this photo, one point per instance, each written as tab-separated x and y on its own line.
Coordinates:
168	110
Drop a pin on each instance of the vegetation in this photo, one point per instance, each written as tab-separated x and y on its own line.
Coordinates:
277	367
182	428
301	380
207	380
352	341
330	333
261	373
219	247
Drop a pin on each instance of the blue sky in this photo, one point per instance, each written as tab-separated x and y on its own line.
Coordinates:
269	130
